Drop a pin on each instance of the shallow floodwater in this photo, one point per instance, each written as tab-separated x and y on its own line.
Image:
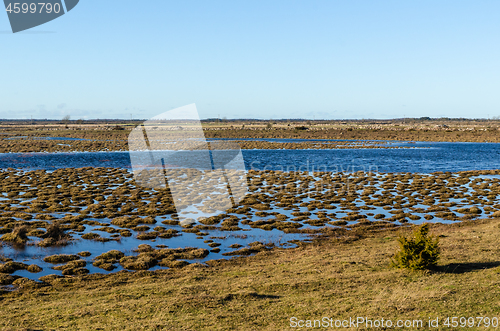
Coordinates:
35	254
418	157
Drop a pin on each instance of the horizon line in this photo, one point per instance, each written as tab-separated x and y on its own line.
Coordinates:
215	119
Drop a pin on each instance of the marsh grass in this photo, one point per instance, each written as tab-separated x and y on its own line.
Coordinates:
338	278
18	236
103	136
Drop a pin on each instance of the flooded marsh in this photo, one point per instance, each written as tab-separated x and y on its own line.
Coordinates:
73	221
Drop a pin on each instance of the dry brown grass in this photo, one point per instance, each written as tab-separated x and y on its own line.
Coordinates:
103	136
341	278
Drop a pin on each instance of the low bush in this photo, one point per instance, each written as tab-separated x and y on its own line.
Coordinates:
417	252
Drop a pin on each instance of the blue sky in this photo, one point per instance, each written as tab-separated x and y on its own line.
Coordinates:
256	59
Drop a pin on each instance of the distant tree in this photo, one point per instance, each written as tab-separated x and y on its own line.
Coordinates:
66	119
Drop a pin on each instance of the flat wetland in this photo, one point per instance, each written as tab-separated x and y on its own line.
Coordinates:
86	136
82	246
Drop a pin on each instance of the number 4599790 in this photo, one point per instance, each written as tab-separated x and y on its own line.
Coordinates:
32	8
486	322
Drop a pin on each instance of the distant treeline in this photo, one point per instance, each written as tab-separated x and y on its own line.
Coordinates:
68	121
365	120
245	120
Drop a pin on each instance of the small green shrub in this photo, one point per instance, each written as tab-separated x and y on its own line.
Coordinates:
417	252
